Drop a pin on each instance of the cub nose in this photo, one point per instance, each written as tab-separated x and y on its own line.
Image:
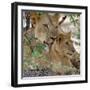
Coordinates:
73	50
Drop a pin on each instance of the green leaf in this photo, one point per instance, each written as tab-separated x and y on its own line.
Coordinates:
36	53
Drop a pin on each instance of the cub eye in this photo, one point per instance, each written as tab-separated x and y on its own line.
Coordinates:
67	43
60	40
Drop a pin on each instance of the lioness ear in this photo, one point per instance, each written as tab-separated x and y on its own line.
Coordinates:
63	19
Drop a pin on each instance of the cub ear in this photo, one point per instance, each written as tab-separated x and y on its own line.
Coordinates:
69	34
60	38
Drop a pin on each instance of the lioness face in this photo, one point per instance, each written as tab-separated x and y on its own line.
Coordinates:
46	27
64	45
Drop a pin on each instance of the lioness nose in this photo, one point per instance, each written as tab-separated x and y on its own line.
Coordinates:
44	42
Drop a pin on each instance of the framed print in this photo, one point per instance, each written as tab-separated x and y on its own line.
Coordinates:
49	44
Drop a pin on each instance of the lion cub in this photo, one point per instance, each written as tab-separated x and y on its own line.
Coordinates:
61	53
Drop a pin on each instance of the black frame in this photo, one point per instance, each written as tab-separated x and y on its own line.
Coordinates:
14	43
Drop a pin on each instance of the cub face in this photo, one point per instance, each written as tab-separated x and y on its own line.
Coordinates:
64	45
61	53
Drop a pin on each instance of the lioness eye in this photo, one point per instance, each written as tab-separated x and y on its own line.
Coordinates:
59	39
45	25
56	27
67	43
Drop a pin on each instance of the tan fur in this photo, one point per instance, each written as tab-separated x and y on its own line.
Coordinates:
61	53
46	27
34	18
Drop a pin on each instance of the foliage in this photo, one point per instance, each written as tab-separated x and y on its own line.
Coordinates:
74	18
40	13
37	51
78	35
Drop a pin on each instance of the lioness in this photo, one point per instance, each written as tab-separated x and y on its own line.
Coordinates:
46	27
